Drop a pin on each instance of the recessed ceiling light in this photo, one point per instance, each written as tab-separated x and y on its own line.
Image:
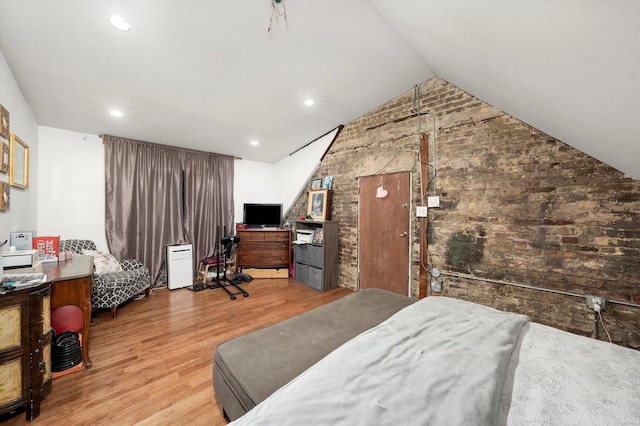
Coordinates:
116	113
119	23
308	102
255	143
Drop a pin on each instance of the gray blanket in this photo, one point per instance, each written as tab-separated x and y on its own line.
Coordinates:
439	361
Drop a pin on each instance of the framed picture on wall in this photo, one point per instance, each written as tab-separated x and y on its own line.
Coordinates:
318	204
4	157
19	175
4	123
4	195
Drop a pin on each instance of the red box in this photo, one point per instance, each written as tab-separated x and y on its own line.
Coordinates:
47	248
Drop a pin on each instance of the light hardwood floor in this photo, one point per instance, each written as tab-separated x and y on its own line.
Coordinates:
152	365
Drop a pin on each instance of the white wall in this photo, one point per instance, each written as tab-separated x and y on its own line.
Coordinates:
280	182
302	164
21	215
71	186
253	182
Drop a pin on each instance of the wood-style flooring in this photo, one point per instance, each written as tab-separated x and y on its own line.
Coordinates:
152	365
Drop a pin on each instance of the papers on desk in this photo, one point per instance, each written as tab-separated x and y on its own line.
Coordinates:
22	280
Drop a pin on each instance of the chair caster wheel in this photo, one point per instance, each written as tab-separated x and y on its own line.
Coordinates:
233	298
246	294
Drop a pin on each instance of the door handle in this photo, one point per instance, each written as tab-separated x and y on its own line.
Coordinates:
403	234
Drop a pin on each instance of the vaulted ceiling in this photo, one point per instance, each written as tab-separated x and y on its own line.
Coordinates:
209	75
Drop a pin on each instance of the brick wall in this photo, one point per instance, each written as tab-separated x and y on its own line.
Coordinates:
517	207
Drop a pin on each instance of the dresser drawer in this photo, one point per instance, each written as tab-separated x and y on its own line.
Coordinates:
316	256
264	249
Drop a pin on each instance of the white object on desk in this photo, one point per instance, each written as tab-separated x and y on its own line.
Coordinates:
20	258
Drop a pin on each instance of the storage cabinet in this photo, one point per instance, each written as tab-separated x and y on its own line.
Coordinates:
25	348
263	248
316	263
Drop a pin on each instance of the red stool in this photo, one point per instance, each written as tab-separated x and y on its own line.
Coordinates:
66	318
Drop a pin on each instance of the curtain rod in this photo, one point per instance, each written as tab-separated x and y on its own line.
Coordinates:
187	149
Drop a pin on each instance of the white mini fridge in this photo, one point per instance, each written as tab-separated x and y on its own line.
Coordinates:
179	258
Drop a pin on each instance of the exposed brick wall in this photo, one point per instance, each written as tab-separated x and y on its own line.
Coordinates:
517	206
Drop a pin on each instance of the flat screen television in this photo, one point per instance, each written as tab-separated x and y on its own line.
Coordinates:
262	215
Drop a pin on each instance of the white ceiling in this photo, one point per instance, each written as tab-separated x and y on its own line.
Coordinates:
208	75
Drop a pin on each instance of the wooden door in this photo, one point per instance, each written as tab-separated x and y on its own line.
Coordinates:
383	232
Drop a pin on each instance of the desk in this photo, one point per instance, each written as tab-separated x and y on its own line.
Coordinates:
72	285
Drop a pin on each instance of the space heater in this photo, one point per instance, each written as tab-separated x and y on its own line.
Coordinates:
179	266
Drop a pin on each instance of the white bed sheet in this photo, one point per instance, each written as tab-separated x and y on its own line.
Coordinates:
560	378
444	361
440	361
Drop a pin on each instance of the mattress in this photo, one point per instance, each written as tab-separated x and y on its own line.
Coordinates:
448	362
249	368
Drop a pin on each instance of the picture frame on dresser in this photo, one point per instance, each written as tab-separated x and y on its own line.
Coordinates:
318	236
316	184
318	204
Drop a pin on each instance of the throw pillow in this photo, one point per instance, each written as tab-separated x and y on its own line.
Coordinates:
104	263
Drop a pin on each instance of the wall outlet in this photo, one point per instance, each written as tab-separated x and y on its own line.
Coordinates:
433	201
436	286
421	211
596	300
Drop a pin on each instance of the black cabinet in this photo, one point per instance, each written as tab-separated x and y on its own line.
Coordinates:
316	263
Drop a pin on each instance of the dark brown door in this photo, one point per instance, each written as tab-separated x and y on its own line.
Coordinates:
383	232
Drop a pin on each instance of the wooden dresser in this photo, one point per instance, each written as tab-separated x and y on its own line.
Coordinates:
25	348
263	248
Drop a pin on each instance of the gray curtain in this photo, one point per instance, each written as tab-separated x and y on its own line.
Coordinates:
158	195
208	201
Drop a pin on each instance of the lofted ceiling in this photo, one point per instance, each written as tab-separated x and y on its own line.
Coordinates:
208	75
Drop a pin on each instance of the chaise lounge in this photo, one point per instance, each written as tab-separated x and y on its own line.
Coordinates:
112	289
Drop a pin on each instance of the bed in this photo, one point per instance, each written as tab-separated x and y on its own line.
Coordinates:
443	361
249	368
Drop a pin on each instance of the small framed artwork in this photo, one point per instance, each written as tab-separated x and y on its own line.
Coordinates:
318	204
4	195
4	123
316	184
19	167
4	160
318	236
327	183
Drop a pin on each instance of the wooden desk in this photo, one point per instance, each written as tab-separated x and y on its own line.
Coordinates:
72	285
